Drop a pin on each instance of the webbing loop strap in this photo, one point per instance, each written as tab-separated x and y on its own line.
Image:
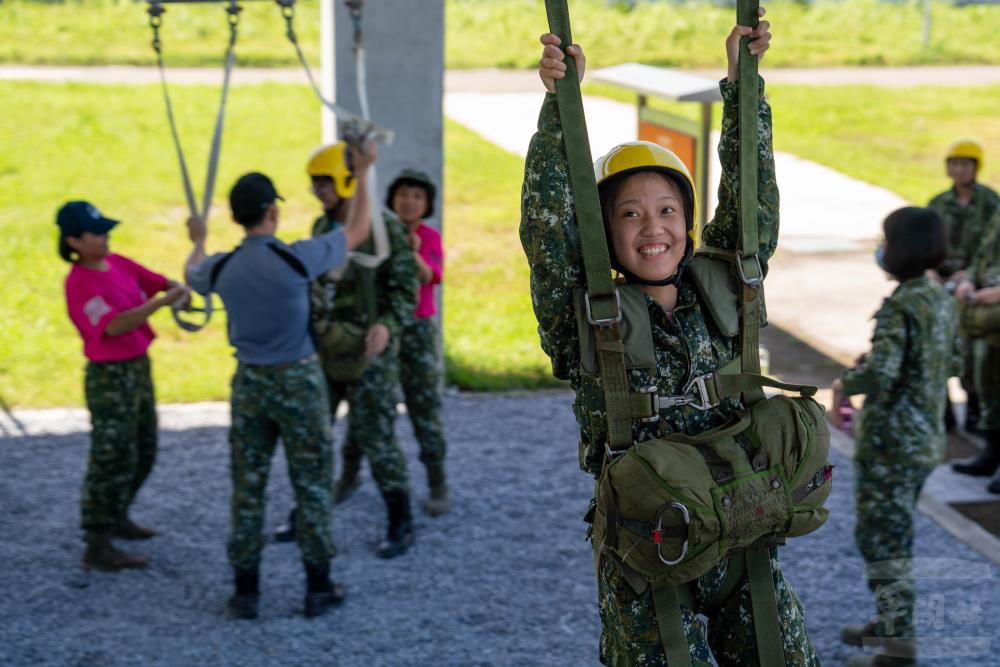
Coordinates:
576	142
156	11
670	623
353	128
770	647
747	262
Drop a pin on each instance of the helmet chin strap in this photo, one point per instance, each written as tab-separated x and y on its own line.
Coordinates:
672	280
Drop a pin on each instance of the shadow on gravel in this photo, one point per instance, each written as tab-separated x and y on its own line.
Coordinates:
505	579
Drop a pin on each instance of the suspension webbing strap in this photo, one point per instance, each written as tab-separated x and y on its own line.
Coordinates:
748	264
670	623
603	302
156	11
353	128
770	647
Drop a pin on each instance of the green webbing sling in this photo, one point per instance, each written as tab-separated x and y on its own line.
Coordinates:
604	311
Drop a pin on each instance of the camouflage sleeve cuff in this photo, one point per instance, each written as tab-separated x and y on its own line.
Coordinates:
731	91
548	116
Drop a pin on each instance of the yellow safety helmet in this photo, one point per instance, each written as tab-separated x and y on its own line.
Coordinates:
966	148
331	160
644	155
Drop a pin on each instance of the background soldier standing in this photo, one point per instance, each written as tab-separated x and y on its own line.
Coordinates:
966	208
278	388
900	432
411	197
983	287
358	316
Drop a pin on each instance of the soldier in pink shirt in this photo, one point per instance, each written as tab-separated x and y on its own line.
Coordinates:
110	298
411	197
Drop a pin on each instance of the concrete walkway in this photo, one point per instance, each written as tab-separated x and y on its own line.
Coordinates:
502	80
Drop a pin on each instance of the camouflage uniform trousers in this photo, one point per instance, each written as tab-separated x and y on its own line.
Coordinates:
122	438
885	498
290	402
420	377
630	635
371	421
987	376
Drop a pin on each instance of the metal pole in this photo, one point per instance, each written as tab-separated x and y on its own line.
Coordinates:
927	23
328	78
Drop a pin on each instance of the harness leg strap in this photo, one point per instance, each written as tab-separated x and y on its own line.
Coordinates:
670	623
770	647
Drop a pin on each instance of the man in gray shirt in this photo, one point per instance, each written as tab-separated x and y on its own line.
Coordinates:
279	388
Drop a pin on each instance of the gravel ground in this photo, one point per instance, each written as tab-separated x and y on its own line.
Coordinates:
505	579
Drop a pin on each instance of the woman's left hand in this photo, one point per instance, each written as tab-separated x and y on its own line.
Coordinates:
838	395
760	42
376	340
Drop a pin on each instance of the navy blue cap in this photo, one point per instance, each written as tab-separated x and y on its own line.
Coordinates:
77	217
251	195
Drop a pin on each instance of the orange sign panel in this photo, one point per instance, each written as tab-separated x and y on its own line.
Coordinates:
681	143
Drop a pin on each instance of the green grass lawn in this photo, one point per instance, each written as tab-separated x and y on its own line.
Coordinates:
110	144
685	34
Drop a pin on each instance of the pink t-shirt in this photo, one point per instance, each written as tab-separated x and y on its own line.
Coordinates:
95	297
433	256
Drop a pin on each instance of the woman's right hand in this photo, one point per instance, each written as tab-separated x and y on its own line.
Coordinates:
175	293
964	290
551	66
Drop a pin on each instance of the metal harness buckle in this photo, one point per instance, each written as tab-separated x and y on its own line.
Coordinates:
695	394
607	321
751	282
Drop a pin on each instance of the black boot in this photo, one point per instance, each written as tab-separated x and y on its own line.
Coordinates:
438	503
286	532
986	463
243	603
321	592
400	536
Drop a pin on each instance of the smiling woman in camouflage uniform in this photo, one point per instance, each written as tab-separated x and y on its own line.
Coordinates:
900	435
648	213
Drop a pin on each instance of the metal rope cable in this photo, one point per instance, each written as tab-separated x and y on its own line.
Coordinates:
353	128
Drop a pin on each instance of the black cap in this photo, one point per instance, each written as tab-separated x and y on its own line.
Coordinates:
77	217
251	195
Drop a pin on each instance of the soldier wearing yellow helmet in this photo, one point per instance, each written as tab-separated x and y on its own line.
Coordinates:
966	208
648	202
357	319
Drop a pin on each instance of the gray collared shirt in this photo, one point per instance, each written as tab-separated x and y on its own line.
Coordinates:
266	298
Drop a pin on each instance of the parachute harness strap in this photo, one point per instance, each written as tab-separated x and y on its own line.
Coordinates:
354	129
156	11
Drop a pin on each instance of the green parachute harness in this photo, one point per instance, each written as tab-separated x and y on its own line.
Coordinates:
670	509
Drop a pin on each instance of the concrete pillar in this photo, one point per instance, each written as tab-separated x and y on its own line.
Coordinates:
404	47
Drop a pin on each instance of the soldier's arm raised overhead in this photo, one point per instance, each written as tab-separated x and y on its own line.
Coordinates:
548	228
723	230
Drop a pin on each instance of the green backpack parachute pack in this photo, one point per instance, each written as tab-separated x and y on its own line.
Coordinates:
670	509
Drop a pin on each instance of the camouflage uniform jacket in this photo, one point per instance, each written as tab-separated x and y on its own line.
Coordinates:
904	376
685	347
392	286
966	226
984	269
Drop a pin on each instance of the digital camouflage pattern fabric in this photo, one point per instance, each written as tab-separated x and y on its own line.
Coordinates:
122	438
904	377
391	289
420	377
966	226
371	421
686	346
985	272
885	496
900	434
289	401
